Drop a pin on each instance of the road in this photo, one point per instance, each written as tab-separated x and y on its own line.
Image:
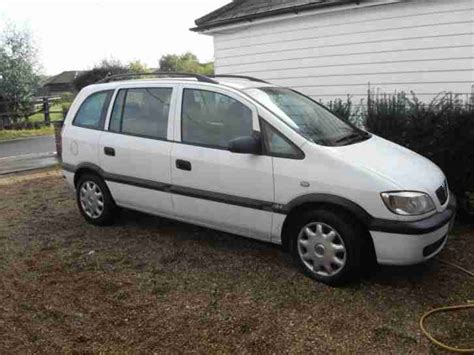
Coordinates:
33	145
27	154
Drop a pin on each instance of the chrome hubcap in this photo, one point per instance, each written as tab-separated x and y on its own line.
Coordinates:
321	249
92	199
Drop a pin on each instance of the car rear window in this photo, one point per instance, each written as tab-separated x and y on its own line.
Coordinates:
93	110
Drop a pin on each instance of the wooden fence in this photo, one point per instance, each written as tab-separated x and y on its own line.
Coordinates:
40	105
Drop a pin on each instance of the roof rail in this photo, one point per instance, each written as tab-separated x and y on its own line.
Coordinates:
199	77
239	77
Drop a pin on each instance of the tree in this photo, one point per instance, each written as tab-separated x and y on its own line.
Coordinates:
187	62
137	66
19	71
104	68
108	67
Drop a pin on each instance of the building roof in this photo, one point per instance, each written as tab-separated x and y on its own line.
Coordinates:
66	77
248	10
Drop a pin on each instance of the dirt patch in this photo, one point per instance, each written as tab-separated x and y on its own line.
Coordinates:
149	284
12	179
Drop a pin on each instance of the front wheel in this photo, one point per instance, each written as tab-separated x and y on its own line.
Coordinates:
94	200
326	245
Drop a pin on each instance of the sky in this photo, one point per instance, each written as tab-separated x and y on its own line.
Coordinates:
75	35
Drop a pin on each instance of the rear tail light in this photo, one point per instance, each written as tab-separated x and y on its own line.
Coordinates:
58	133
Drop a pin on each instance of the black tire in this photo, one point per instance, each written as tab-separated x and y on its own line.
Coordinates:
347	230
109	209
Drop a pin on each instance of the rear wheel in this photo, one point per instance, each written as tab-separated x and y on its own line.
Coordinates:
94	200
326	245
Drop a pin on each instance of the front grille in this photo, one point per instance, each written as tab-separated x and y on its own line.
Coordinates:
430	249
442	194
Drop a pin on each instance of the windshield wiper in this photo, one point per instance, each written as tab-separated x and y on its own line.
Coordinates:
351	137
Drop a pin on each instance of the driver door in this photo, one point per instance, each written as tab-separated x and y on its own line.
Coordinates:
211	185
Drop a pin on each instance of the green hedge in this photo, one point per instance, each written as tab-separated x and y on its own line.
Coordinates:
442	131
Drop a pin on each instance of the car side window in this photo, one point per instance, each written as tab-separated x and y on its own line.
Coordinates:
93	110
212	119
277	145
141	112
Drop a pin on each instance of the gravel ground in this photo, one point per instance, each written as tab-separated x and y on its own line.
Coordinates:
149	284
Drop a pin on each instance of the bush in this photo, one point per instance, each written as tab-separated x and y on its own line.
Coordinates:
105	68
65	108
28	125
96	74
342	109
346	110
108	67
442	131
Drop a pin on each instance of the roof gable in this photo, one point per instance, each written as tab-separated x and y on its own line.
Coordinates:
66	77
248	10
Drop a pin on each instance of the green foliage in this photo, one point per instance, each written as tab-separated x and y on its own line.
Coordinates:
345	109
34	129
187	62
19	70
108	67
63	104
65	108
101	70
387	113
137	66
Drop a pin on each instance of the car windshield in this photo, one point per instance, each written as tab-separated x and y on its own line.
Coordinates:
307	117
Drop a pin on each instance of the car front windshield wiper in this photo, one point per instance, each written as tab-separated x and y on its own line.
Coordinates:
352	137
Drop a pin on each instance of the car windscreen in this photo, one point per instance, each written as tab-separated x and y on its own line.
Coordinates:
307	117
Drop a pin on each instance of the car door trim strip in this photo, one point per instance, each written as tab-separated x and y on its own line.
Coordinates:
182	190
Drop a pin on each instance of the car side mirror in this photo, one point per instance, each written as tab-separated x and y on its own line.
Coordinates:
246	145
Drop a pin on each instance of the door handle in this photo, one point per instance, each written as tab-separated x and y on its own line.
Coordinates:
109	151
183	165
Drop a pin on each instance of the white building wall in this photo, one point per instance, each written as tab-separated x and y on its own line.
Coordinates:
424	46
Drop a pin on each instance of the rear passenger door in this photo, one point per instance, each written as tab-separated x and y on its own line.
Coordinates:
135	151
210	184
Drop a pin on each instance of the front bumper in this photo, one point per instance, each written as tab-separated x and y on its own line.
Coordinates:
406	243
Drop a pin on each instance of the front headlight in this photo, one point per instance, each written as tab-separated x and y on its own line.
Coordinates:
408	203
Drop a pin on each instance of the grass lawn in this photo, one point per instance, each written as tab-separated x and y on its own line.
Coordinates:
56	116
148	284
22	133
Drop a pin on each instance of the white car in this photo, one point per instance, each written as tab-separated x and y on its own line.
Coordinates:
254	159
